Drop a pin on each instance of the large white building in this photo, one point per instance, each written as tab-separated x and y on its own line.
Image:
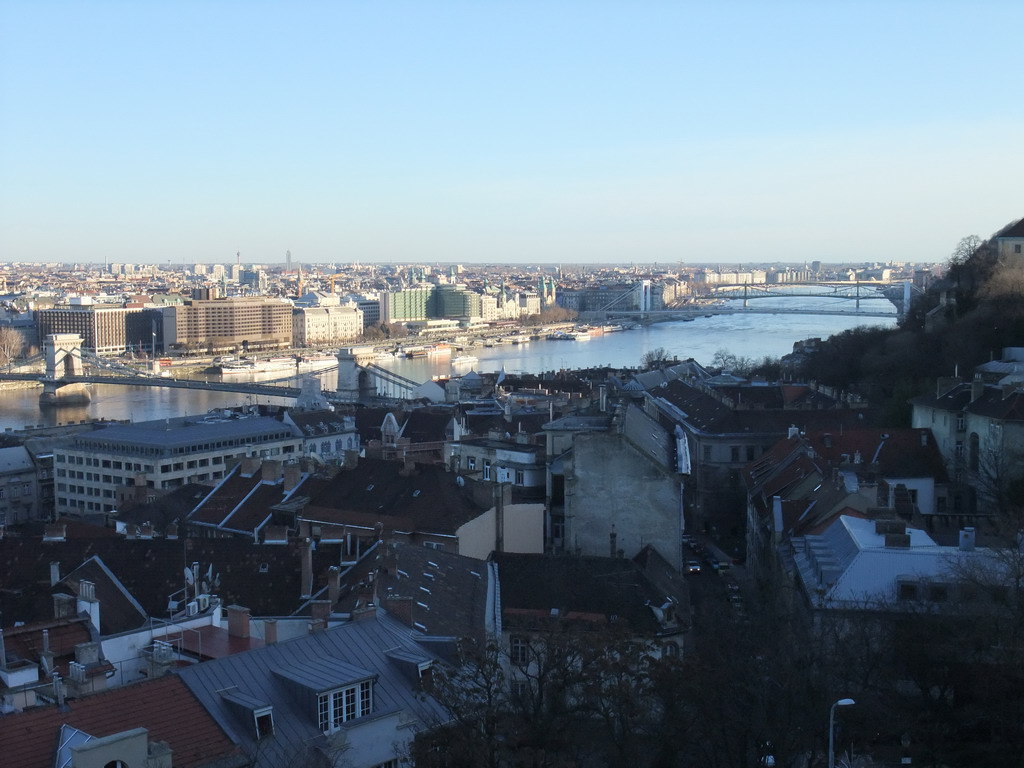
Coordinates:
325	326
98	469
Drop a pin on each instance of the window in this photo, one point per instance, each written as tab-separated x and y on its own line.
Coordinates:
487	469
519	650
337	707
734	453
471	462
1016	247
264	724
750	453
707	452
907	591
520	477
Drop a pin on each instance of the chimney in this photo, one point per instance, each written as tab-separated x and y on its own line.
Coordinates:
292	476
793	431
87	602
967	540
55	532
400	608
306	553
238	621
270	631
333	584
271	470
250	465
129	531
827	439
320	612
977	389
603	398
146	531
3	651
54	572
172	530
87	653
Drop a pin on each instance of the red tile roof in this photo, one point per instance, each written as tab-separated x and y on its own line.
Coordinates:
166	707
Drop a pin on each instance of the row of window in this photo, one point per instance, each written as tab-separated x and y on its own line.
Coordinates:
105	447
15	490
89	461
737	453
344	704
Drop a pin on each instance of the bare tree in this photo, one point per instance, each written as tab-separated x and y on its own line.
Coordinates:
965	249
654	358
11	344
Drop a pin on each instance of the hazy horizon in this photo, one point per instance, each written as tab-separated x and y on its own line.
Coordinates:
525	133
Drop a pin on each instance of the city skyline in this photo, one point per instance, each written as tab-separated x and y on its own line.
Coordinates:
573	133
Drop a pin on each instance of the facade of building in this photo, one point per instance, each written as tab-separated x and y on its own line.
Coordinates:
98	469
324	326
106	330
19	487
227	324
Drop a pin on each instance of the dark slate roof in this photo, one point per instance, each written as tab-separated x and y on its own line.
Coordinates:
322	659
426	499
119	611
898	452
368	421
316	423
595	591
436	592
165	707
1016	229
151	570
1003	404
166	509
425	426
243	504
707	415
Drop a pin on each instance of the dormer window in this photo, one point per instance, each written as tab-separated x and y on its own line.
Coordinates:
342	691
344	704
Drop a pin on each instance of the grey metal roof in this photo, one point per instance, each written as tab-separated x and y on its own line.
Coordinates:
344	654
15	459
324	674
184	431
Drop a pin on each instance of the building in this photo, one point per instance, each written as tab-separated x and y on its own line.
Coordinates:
325	326
1010	241
19	487
616	485
106	330
356	695
229	324
97	470
979	429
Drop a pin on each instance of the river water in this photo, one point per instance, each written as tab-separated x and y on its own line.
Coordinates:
753	336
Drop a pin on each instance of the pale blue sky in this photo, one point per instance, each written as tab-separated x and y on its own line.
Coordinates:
506	131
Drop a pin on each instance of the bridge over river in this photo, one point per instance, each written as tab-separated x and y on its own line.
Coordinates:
67	369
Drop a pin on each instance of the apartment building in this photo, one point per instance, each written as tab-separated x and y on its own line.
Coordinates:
97	470
227	324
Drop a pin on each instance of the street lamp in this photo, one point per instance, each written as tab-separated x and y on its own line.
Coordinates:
832	729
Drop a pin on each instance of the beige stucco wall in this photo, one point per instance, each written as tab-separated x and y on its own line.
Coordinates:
523	531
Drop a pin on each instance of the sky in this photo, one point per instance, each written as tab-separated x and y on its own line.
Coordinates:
548	132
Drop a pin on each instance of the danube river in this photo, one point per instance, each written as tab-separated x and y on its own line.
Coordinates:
753	336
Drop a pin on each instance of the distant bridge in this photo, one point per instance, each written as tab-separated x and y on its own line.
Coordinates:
897	293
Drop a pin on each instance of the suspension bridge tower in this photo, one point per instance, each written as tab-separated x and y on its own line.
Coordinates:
63	355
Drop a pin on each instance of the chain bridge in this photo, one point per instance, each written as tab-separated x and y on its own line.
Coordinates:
65	370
